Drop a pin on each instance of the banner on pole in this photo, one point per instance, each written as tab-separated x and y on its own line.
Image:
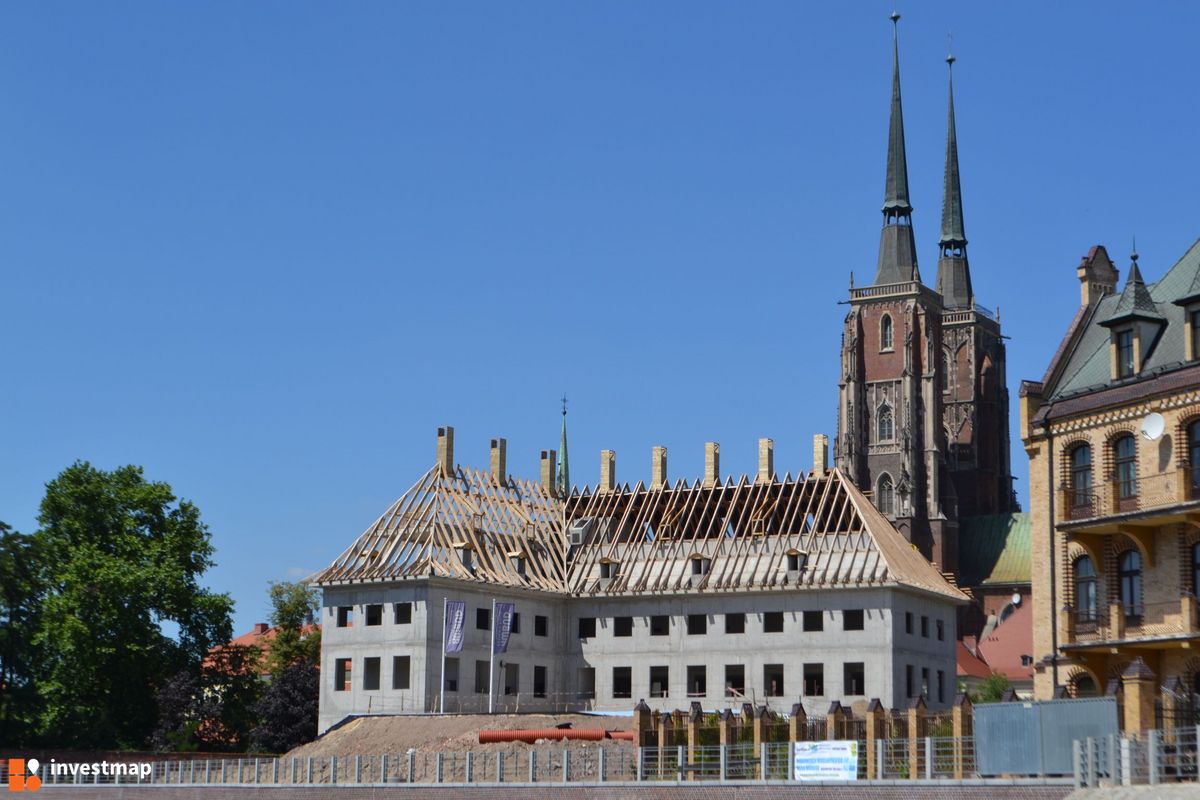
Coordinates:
456	618
826	761
503	623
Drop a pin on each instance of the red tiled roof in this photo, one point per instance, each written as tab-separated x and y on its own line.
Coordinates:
1011	639
261	636
969	664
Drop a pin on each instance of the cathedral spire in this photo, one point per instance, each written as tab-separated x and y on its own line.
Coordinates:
897	250
562	482
954	273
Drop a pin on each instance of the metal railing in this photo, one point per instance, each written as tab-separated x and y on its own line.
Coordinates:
1143	491
772	761
1119	623
1153	757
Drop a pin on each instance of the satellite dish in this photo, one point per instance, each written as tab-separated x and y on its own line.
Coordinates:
1016	598
1153	426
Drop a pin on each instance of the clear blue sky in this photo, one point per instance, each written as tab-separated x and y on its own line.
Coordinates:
265	249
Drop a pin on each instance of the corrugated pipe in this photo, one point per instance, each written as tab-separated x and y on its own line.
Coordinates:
531	735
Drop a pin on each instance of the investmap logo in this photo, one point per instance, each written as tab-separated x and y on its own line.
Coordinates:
22	775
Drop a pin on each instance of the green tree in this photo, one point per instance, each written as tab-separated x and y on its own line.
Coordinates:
296	640
991	689
119	558
21	593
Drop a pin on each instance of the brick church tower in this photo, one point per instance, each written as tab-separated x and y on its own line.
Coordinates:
923	409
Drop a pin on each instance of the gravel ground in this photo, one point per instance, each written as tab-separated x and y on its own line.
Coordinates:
449	733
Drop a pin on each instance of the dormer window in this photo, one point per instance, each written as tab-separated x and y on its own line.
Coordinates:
608	570
796	561
518	563
885	332
1194	333
466	556
1125	361
700	565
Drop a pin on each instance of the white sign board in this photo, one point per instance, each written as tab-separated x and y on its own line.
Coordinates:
826	761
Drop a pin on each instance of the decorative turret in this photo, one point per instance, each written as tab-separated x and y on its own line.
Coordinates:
954	273
897	249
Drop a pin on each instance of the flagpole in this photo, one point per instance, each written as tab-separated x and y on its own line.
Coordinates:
442	685
492	664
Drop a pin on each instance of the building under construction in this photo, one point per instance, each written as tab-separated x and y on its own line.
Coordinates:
765	589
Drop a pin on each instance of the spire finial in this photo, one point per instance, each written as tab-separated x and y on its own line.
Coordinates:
1134	256
564	402
950	59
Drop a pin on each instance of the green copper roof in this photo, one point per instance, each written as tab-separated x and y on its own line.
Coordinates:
994	550
895	196
562	481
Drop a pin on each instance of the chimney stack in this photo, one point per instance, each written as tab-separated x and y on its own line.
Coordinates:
658	467
608	470
712	463
820	453
766	459
499	460
445	450
549	464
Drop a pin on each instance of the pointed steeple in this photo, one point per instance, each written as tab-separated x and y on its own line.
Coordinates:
897	249
1135	301
562	481
954	272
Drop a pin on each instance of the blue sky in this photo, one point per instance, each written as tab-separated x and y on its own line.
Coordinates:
265	249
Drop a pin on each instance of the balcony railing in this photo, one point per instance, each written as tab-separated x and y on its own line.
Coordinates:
1118	622
1140	492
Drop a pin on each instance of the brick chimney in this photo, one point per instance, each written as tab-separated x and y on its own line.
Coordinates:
658	467
712	463
766	459
1097	276
499	460
608	470
549	465
445	449
820	453
261	627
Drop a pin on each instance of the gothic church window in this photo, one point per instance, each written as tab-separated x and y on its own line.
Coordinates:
885	496
885	425
885	332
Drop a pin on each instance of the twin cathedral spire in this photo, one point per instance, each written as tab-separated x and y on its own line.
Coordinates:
897	246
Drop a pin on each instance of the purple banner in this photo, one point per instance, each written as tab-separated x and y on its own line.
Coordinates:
503	623
456	618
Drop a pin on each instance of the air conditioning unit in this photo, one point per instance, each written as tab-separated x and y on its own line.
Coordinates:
577	532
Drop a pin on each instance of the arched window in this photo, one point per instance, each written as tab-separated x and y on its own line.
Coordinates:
885	425
1081	476
1193	436
885	332
1125	461
1085	590
1085	686
886	495
1129	576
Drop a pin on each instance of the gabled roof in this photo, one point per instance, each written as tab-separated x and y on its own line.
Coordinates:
745	532
1086	365
1134	302
1003	648
994	549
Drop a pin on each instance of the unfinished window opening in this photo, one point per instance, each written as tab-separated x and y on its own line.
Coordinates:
924	626
608	570
814	621
402	613
735	680
814	680
371	673
345	616
483	619
539	681
796	561
587	683
853	678
516	622
623	626
659	681
941	685
772	622
374	614
700	565
773	680
697	624
512	678
401	672
587	627
622	682
735	623
342	673
941	631
541	625
909	688
660	625
852	619
925	681
697	681
452	673
908	624
482	675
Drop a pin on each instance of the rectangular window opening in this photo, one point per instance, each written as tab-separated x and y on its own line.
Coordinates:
623	626
814	621
541	625
773	680
401	672
587	627
697	681
735	623
402	613
853	678
539	681
814	680
660	681
371	673
735	680
342	674
622	682
345	616
660	625
697	624
374	614
852	619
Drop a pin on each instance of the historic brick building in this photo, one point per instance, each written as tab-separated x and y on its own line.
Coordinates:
923	408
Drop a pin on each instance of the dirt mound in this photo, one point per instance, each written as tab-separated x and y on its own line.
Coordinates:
447	733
